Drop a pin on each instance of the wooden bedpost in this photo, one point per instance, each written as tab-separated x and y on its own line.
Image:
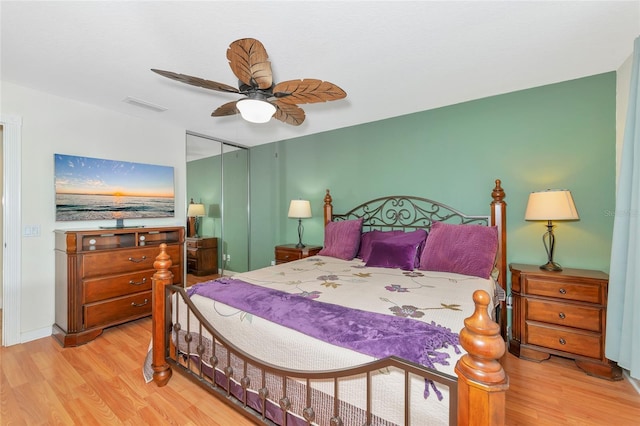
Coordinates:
482	382
328	208
162	278
499	219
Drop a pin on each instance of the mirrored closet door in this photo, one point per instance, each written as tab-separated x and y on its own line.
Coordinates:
218	184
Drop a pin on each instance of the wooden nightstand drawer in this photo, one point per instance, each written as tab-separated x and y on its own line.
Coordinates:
289	252
287	256
564	290
577	316
566	340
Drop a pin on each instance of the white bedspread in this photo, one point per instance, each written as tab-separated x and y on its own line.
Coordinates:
427	296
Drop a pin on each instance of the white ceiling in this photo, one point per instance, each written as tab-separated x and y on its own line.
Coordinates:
391	57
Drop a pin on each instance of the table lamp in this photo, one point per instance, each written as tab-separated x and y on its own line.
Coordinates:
194	213
550	205
299	209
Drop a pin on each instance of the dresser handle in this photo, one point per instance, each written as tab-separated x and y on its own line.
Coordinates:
562	291
562	341
131	259
132	282
561	315
137	305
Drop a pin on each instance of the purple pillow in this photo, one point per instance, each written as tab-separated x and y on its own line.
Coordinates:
393	254
369	237
461	249
342	239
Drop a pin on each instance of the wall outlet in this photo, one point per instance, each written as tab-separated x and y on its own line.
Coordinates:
273	263
228	258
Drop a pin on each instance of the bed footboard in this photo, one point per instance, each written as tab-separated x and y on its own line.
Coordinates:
477	397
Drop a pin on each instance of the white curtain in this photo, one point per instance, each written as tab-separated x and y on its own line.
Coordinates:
623	313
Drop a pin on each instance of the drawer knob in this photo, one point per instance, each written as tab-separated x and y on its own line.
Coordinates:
562	315
132	282
137	305
562	341
562	291
142	259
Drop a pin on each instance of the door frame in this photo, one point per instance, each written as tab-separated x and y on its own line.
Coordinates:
12	243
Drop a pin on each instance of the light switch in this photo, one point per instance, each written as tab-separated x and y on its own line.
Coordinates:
31	231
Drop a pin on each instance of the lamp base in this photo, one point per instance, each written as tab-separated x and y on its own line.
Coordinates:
551	266
300	230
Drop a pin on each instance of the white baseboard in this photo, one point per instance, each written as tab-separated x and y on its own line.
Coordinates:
35	334
634	382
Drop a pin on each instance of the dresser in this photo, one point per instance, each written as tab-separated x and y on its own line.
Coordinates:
103	277
561	313
288	252
202	256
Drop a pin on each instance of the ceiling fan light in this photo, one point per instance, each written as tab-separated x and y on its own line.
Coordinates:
255	110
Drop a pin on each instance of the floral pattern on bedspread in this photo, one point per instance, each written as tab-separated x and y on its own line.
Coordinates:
447	298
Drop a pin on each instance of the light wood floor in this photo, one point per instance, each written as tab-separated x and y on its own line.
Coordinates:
101	383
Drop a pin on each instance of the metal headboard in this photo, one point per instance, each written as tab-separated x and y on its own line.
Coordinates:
406	212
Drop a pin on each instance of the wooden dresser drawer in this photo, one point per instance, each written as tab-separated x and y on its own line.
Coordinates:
117	310
565	339
98	289
564	290
140	259
570	315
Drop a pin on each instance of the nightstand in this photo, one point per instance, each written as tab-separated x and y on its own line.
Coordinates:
202	256
288	252
561	313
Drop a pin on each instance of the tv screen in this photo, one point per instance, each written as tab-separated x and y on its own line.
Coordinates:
94	189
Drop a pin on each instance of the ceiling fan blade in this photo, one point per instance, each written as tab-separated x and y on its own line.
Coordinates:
307	91
197	81
249	61
227	109
288	113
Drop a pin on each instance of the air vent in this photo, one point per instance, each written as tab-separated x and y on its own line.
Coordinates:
144	104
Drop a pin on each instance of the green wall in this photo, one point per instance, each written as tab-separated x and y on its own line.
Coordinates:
555	136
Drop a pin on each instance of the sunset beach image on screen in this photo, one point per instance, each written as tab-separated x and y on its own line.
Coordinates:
94	189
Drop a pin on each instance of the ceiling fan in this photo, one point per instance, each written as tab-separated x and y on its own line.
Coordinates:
263	99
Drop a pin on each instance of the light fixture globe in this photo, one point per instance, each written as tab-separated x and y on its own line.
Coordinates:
255	110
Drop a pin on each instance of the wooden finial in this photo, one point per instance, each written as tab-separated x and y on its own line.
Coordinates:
498	193
328	208
481	338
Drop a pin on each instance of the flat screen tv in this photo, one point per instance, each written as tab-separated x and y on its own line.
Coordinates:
98	189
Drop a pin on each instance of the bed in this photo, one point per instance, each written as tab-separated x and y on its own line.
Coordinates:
334	339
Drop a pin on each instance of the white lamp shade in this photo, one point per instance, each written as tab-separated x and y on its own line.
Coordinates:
299	209
255	110
552	204
195	210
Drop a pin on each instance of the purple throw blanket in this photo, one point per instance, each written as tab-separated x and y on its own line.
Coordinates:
374	334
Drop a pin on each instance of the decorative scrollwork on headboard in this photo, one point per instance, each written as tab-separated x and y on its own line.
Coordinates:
406	212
